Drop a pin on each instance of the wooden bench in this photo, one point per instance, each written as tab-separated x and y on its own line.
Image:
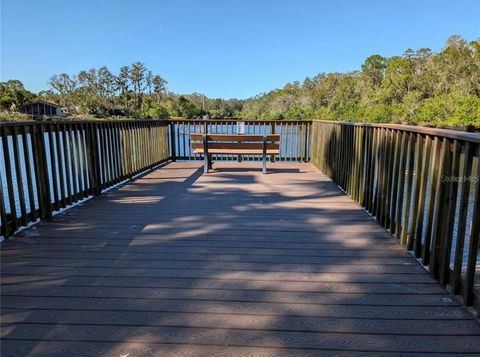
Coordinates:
234	144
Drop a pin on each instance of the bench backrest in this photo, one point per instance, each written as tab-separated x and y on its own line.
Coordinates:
235	141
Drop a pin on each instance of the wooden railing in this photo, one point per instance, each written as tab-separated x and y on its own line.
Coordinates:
294	137
422	184
48	166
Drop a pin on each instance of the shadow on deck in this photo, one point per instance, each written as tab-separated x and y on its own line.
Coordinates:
231	263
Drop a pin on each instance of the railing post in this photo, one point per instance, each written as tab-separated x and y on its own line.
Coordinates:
272	157
41	173
93	162
173	151
441	203
3	214
449	214
306	127
10	190
264	156
473	245
206	163
462	228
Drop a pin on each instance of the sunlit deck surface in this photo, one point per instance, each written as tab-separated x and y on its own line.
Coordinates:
233	263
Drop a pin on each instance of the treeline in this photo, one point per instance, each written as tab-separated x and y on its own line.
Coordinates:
419	87
134	91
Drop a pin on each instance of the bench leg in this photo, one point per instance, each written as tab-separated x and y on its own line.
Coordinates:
264	165
206	157
205	164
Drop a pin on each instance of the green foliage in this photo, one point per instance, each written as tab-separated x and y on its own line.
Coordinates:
134	91
296	112
418	87
13	95
434	111
467	111
374	69
450	110
378	113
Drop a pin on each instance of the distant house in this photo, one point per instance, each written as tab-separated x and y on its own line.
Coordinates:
116	111
41	107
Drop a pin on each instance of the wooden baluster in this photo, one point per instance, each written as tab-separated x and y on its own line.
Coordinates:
408	194
420	210
401	185
4	229
464	194
68	168
53	167
394	180
19	177
448	220
61	166
41	173
28	170
436	161
468	293
9	180
416	192
440	201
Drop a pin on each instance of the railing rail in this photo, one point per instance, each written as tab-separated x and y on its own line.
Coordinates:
48	166
422	184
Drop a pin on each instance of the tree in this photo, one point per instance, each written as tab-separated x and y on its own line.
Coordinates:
123	84
88	98
137	78
48	95
159	85
148	81
123	79
65	86
186	108
409	53
13	95
398	79
374	69
107	86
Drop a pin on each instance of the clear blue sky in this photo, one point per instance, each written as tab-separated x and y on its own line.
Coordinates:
222	48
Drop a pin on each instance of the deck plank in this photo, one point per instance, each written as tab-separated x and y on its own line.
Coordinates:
232	263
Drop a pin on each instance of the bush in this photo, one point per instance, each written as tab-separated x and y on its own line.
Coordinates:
467	112
377	113
298	113
14	116
433	111
450	110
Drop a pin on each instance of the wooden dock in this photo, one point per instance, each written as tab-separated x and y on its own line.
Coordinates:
233	263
